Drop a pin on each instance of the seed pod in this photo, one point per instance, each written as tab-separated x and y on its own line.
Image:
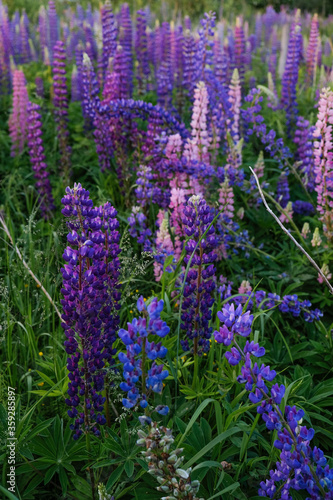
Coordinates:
141	441
182	473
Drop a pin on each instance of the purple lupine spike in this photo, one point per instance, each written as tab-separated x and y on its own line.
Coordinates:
4	65
24	33
39	86
269	19
290	75
75	88
91	47
38	160
282	191
240	49
79	66
304	139
199	285
255	124
15	37
312	50
103	139
190	62
187	23
120	67
90	304
164	85
220	63
323	161
60	101
90	89
53	28
258	30
272	61
109	32
205	46
141	49
125	40
18	120
138	368
179	68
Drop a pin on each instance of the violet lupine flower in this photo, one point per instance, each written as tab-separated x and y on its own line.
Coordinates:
197	147
53	29
141	50
60	101
205	46
255	125
290	75
190	61
42	29
125	40
199	284
18	120
89	89
292	438
304	136
121	69
286	304
109	32
90	304
312	49
39	87
138	369
240	52
323	153
282	190
139	228
38	160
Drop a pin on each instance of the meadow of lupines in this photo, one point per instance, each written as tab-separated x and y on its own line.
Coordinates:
142	276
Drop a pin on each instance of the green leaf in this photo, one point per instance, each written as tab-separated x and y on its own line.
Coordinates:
232	487
221	437
114	477
129	468
197	413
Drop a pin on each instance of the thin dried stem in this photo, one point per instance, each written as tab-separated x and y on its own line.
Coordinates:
5	228
310	259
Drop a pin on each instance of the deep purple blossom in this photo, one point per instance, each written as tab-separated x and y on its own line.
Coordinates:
90	304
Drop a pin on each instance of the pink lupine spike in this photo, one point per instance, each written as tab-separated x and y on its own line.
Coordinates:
197	147
245	287
323	152
226	201
173	147
312	51
18	120
163	242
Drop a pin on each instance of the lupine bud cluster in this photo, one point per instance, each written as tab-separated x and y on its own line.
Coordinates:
300	466
90	304
165	464
139	363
